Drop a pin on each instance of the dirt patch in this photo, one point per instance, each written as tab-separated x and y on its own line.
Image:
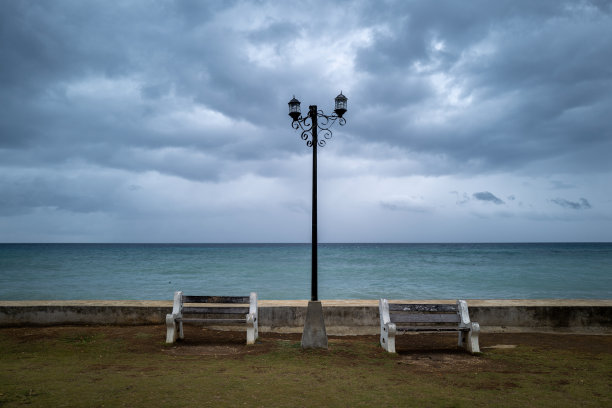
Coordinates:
419	350
205	351
447	361
594	344
204	341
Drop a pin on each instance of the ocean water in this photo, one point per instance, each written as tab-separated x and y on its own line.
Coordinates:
282	271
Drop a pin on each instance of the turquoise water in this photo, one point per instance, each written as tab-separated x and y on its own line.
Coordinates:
282	271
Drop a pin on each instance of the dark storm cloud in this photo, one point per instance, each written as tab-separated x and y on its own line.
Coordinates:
168	49
582	204
534	77
487	196
537	76
23	194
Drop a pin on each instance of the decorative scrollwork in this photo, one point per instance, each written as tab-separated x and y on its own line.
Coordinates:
326	133
324	124
302	123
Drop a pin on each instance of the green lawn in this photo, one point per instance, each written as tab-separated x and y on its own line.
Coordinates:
132	367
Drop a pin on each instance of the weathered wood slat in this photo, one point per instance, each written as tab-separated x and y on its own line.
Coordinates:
215	310
212	321
216	299
425	318
431	329
405	307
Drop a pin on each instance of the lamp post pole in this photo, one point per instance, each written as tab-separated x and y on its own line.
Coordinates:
314	290
314	335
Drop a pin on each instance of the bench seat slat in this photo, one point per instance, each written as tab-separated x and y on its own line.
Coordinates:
425	318
211	321
216	299
215	310
406	307
431	328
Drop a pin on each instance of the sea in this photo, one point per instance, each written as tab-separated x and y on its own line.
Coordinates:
283	271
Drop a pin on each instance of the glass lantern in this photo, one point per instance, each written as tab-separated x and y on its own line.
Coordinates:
294	108
341	103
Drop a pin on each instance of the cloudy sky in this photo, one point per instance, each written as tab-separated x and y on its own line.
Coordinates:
166	121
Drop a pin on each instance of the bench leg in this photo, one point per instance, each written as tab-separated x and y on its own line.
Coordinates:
469	339
252	331
387	337
250	335
171	329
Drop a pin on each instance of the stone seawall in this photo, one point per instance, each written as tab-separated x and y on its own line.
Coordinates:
342	317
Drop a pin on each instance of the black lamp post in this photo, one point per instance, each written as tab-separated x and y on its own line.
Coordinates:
310	125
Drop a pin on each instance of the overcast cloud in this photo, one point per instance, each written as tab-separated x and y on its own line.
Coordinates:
167	121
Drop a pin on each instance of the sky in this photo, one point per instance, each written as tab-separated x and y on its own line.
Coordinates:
167	121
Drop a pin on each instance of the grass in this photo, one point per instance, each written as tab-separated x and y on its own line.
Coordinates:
132	367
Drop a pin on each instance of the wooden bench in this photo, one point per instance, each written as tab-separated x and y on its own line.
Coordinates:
408	317
220	310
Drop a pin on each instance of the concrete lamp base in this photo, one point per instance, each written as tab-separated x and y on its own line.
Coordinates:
314	335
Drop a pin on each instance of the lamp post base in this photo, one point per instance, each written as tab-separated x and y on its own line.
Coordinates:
314	335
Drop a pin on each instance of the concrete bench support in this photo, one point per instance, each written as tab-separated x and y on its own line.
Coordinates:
409	317
221	310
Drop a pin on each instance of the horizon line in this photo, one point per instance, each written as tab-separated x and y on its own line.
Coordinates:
307	243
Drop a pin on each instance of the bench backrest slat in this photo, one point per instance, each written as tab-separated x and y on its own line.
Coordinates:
215	310
425	318
216	299
417	307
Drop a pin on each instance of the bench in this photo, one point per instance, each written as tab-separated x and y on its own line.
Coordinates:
219	310
409	317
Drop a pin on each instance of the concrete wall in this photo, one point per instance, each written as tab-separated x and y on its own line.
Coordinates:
341	316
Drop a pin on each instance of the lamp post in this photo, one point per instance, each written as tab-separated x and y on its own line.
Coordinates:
314	335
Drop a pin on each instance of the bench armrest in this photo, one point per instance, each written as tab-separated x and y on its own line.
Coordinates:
387	336
171	318
173	329
391	328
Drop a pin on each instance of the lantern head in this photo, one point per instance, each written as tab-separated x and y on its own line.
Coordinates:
341	103
294	108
